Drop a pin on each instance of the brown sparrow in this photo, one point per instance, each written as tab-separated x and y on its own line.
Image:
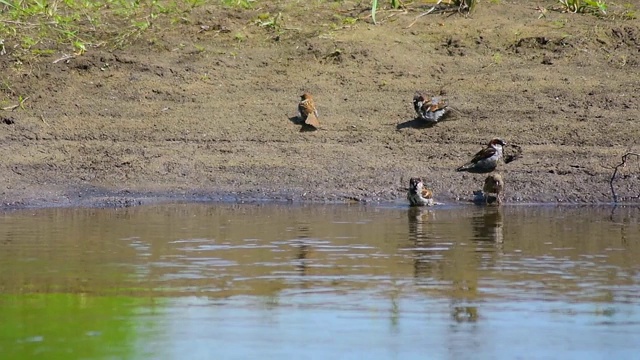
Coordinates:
485	160
493	184
430	109
307	111
418	195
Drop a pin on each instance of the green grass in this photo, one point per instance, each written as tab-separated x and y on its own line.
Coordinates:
584	6
36	26
270	21
73	27
394	4
629	12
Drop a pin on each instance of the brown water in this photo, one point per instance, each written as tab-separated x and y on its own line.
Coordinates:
274	281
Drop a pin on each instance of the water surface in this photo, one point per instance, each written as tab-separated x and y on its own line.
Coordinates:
274	281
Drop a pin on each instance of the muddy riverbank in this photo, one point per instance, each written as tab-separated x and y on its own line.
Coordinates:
202	108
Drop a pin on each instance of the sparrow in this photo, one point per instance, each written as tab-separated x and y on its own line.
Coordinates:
418	195
486	160
430	109
307	111
493	184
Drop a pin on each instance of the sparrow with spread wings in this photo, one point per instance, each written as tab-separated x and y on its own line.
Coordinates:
430	109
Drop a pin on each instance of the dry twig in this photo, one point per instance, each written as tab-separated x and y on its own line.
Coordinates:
19	105
424	14
44	120
615	172
12	107
64	58
452	7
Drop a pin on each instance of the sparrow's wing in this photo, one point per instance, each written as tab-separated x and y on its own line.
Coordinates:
483	154
427	194
312	120
437	103
488	185
309	113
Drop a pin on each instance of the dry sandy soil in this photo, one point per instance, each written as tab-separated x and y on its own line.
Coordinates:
203	109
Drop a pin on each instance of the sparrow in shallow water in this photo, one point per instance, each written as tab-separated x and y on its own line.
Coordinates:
430	109
307	111
493	184
486	160
418	195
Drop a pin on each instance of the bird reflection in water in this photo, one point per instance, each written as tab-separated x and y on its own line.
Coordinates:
419	220
302	249
462	314
487	226
422	239
451	268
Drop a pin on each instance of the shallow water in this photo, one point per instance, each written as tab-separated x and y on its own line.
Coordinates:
273	281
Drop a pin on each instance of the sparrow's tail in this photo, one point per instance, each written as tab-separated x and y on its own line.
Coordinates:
312	120
464	167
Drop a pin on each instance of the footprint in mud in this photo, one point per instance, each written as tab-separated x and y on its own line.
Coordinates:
8	120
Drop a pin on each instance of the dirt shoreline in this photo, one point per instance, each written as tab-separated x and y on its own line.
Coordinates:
95	198
191	113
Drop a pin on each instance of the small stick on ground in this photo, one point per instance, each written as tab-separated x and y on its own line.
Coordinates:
424	14
9	108
19	105
64	58
615	172
43	120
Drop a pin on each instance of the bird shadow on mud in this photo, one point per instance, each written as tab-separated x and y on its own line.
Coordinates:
416	123
512	155
303	127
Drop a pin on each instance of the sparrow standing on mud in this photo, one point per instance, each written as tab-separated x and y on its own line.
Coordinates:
486	160
418	195
430	109
307	111
493	184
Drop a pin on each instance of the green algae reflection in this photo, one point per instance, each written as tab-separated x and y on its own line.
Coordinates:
71	326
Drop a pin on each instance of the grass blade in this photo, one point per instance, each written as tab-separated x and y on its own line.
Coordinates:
374	7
